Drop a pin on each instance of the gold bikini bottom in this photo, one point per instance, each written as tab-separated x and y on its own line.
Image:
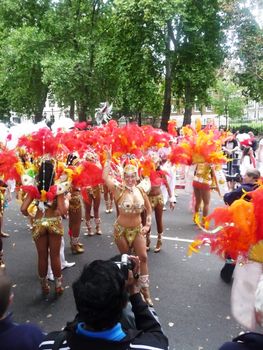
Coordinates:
129	233
75	202
155	200
94	192
44	226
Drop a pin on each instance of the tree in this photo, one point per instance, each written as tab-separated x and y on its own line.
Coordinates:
199	52
227	100
137	52
249	43
80	66
23	45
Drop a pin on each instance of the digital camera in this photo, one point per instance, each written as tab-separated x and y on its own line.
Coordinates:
234	178
125	265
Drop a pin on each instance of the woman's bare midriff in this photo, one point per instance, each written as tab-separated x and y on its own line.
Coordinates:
129	220
155	191
49	213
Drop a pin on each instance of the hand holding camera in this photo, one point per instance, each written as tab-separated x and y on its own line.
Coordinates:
130	267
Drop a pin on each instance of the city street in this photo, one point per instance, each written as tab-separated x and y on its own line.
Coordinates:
192	302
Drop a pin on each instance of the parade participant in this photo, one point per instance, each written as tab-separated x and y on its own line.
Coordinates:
47	227
3	199
91	197
128	230
238	231
155	196
3	188
74	212
170	170
249	184
108	198
202	182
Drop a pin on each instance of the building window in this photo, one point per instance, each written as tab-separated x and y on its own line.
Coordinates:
251	104
196	108
208	108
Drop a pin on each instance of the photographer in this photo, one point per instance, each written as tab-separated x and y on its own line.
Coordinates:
249	184
101	294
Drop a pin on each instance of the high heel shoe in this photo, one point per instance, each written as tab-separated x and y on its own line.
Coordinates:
76	247
97	227
145	291
196	218
2	264
44	285
158	243
58	286
148	243
89	229
107	202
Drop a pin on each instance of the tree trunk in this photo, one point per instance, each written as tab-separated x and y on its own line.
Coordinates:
166	112
38	115
72	110
140	118
188	104
82	113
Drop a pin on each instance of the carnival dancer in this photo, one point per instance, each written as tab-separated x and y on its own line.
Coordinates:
47	227
91	197
128	230
108	198
238	232
74	211
202	182
3	187
155	196
3	201
170	170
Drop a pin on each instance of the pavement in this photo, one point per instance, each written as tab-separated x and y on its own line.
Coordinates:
191	300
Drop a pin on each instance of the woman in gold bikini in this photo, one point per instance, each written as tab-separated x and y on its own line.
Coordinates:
129	234
47	228
92	199
157	203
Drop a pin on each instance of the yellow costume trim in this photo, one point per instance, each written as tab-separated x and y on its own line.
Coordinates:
129	233
155	200
45	225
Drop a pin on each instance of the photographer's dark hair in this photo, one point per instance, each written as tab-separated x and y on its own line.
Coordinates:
46	175
100	294
5	291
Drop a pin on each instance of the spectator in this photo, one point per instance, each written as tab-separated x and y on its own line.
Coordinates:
101	294
253	140
15	336
249	184
231	149
247	160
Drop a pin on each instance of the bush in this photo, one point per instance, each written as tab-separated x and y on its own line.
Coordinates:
257	129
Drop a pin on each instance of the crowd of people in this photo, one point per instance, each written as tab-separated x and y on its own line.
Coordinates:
135	170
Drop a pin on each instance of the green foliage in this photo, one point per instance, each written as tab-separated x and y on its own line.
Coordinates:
199	50
135	54
256	128
23	45
227	99
249	44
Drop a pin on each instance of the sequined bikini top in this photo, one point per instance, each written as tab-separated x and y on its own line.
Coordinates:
131	201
